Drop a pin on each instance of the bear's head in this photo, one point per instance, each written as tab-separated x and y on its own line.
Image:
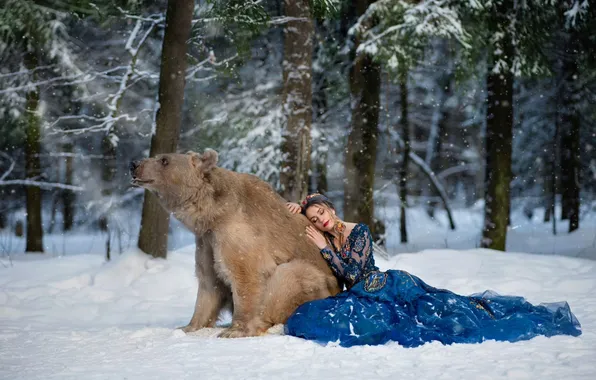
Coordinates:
172	174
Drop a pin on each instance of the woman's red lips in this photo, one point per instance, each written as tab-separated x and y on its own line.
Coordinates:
325	224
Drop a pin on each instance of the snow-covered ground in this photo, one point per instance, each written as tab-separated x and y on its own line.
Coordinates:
524	235
67	314
73	317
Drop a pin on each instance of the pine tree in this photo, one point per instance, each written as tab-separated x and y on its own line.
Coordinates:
153	237
361	149
297	100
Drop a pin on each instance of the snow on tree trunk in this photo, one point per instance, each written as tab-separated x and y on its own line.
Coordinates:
361	149
499	129
33	166
153	237
297	100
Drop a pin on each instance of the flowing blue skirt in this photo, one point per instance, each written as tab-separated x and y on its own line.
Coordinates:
398	306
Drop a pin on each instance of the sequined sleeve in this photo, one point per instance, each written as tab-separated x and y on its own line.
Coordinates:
351	263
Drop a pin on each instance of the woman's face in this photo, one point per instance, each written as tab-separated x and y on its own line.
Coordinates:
321	216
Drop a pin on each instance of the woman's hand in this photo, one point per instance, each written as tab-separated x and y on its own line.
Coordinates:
293	207
316	237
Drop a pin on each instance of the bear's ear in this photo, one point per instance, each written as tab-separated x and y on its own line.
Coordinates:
206	161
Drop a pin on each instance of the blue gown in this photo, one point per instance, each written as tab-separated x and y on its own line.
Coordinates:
397	306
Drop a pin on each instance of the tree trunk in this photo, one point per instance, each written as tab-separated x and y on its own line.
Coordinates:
297	100
553	183
435	139
33	166
570	141
108	173
361	150
68	196
573	187
499	129
153	238
320	105
403	171
548	177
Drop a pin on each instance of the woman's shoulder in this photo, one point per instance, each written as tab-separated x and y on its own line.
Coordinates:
362	226
357	229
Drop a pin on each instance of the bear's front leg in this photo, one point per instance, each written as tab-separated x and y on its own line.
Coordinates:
211	293
247	292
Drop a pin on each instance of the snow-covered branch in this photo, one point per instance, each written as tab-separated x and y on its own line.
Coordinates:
31	182
156	17
105	124
457	169
10	168
399	30
68	80
207	65
27	72
73	155
284	20
430	174
578	8
41	184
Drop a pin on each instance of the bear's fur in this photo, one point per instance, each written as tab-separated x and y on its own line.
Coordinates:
252	254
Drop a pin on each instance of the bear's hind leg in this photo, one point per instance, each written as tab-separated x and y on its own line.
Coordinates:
291	285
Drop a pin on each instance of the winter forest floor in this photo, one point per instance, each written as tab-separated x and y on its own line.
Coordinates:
68	314
524	235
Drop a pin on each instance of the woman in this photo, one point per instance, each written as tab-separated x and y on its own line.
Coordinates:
378	307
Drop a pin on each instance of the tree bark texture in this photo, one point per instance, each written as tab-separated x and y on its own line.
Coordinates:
499	129
297	100
33	166
153	238
361	149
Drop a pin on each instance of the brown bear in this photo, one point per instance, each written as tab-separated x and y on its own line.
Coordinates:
252	254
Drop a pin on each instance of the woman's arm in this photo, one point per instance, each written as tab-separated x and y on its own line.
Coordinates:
352	265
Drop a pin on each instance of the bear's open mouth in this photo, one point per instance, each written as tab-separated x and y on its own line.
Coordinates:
140	182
